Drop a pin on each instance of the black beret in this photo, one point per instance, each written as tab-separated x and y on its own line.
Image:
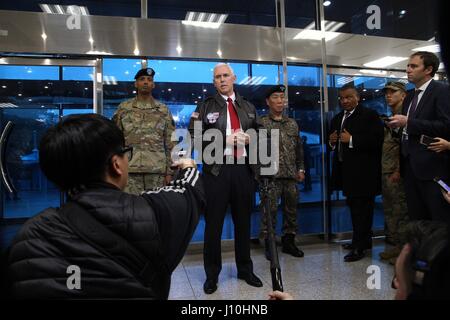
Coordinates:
145	72
278	88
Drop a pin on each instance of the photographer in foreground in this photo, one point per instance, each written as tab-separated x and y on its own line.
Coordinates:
104	243
422	270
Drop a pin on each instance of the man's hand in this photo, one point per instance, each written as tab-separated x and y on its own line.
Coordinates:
184	163
397	121
394	177
238	138
440	145
403	274
446	195
300	176
278	295
345	136
333	138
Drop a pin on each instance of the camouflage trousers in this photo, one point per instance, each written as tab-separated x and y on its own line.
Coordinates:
395	209
138	182
287	190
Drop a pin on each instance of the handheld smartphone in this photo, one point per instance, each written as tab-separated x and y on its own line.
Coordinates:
180	154
426	140
442	184
385	118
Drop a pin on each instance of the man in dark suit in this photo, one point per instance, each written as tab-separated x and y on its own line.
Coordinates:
230	181
356	138
426	111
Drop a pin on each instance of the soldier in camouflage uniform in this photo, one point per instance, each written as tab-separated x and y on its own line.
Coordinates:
394	198
290	171
147	125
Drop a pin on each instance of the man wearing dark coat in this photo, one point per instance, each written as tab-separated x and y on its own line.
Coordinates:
356	137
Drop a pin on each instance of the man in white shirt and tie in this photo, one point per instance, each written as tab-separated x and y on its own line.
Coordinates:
426	111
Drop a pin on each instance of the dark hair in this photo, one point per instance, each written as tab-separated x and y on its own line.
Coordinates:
348	86
430	259
75	152
429	60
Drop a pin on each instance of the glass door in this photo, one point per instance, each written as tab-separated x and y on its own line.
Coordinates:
34	95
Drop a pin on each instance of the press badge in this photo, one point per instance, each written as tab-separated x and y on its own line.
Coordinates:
212	117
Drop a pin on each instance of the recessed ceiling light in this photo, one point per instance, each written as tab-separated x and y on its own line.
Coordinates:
204	20
384	62
59	9
316	35
432	48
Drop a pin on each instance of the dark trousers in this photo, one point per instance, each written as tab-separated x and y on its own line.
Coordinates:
235	186
424	198
361	209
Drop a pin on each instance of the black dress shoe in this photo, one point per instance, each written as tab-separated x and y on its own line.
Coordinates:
347	246
210	286
355	255
251	279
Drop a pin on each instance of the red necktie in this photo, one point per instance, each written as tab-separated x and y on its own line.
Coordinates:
235	127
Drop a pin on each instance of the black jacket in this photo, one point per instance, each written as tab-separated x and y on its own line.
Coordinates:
212	114
431	118
158	222
360	172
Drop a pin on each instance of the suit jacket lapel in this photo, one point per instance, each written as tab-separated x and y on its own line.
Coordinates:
424	99
240	111
407	102
222	120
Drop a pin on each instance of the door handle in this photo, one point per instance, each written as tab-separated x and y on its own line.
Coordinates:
5	177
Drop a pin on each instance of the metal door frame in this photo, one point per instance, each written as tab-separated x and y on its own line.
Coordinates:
43	61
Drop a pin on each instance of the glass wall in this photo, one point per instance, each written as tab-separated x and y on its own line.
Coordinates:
34	98
384	18
371	96
181	84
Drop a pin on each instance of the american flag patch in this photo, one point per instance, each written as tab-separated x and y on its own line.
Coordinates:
195	115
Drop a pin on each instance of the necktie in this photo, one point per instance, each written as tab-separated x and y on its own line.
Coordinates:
412	109
340	149
238	151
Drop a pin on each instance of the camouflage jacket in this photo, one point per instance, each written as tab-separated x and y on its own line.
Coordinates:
390	159
290	145
148	128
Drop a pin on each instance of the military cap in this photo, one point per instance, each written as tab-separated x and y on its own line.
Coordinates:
395	85
145	72
273	89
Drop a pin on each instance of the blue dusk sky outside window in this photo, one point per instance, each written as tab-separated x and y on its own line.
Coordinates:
29	72
121	69
191	71
262	74
303	76
78	73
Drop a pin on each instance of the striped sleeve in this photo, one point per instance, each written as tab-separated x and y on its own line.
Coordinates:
177	208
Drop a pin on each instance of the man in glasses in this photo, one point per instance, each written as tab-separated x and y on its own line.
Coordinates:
127	246
147	125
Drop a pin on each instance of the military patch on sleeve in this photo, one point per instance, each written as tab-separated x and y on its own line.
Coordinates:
195	115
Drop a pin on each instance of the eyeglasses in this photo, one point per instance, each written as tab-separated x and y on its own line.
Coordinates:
127	149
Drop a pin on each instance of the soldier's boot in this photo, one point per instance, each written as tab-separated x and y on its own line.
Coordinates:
266	249
288	242
391	253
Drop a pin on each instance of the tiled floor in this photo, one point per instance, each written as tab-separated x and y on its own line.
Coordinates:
321	274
